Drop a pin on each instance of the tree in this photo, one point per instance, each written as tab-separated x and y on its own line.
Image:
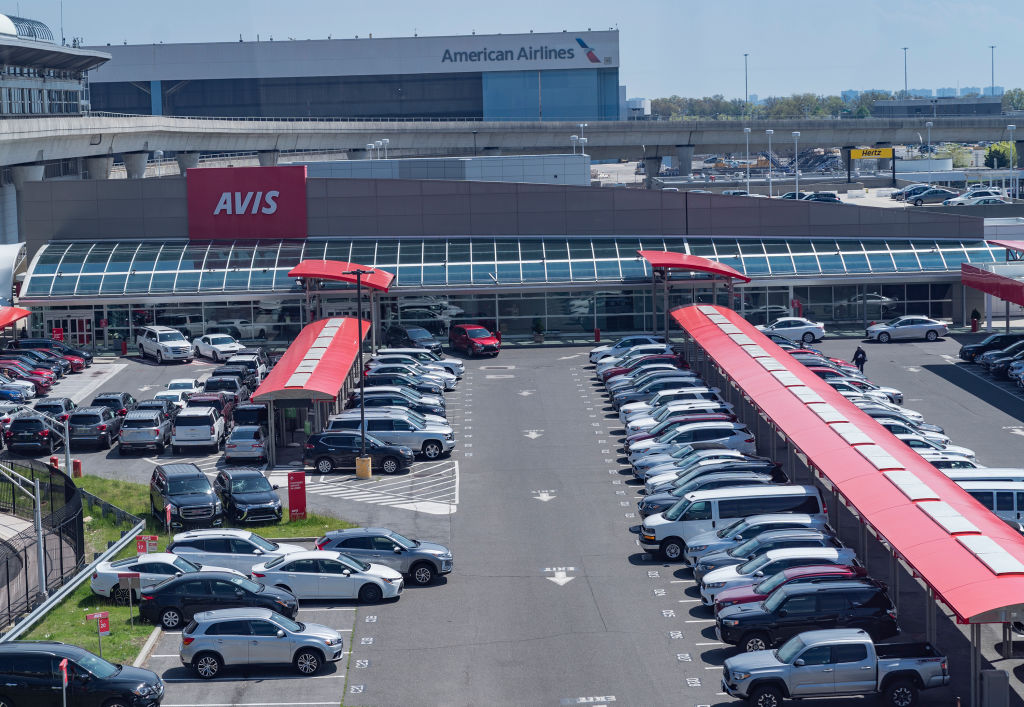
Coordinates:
998	151
1013	99
960	155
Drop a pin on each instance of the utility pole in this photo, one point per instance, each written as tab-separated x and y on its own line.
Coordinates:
992	83
746	86
906	89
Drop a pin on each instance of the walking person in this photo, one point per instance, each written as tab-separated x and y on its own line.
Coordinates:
859	359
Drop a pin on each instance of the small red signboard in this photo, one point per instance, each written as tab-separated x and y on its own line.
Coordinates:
145	543
58	333
64	671
167	516
102	619
296	495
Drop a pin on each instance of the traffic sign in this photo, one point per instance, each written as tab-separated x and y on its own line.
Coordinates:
145	544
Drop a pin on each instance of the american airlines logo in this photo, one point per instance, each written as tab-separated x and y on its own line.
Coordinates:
248	203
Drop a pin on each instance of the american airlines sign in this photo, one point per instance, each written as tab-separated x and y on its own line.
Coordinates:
246	203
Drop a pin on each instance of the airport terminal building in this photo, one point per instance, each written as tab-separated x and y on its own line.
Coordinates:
536	76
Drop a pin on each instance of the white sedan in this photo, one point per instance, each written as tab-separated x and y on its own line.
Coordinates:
177	397
152	569
323	574
219	347
189	386
928	447
795	329
622	345
975	201
907	327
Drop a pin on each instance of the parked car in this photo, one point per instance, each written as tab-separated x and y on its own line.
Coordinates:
178	399
427	358
189	386
177	600
796	328
985	360
247	496
250	414
907	327
910	191
246	442
415	371
30	675
661	502
57	364
197	427
120	403
474	340
398	335
811	663
164	344
222	402
228	547
810	574
794	195
624	344
152	568
975	201
823	196
420	385
931	196
184	490
144	429
252	363
669	479
52	345
760	544
32	434
223	638
57	408
919	444
246	376
96	425
229	385
395	395
167	409
327	451
248	329
734	435
324	575
217	347
421	561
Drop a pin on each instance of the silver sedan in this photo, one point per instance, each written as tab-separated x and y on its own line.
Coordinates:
245	442
907	327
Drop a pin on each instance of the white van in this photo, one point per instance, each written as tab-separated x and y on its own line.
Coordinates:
1004	498
985	474
707	510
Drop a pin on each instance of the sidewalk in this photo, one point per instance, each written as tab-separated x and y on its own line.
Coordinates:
12	525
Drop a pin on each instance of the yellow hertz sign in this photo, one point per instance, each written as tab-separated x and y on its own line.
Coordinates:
876	154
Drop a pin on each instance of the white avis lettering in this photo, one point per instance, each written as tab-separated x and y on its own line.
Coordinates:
237	203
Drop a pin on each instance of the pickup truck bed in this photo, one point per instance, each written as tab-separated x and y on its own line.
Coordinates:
906	649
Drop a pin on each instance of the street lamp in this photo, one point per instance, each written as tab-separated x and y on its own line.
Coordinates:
796	160
385	141
583	145
769	132
574	139
746	88
930	162
905	90
378	144
1013	161
746	135
581	126
992	84
369	148
359	336
474	143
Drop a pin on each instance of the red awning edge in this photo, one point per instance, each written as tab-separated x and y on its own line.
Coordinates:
682	261
1005	288
10	315
334	270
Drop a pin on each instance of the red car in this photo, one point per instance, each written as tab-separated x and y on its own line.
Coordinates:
473	339
29	369
77	362
748	593
642	363
42	384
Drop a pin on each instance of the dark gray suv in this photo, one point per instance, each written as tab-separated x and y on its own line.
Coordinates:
420	561
96	425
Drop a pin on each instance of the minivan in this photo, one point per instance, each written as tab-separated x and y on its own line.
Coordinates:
985	474
707	510
1004	498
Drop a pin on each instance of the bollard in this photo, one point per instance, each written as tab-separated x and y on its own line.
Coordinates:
974	324
597	335
124	347
364	470
76	466
55	461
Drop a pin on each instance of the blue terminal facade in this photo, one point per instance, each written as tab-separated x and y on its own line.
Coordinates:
536	76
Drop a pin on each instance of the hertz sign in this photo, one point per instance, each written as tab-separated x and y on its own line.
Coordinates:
879	153
234	203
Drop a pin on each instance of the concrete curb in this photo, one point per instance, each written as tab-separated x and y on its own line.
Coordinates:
147	647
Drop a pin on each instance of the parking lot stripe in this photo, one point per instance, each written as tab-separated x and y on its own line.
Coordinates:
249	704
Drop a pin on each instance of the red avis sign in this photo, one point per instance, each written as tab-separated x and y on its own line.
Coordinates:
246	202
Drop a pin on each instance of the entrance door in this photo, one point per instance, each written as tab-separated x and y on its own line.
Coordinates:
76	326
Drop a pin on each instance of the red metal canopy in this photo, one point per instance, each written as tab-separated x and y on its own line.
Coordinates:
316	364
1009	245
334	269
682	261
10	315
1005	288
972	560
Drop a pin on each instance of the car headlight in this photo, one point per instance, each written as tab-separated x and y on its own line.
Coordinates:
445	556
173	508
730	622
714	585
218	507
389	581
698	548
739	675
704	568
145	690
333	641
281	603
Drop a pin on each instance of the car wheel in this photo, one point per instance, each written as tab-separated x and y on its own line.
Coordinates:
917	202
765	696
431	450
808	337
931	335
174	449
324	465
370	594
672	549
159	357
215	356
206	665
308	661
262	334
884	337
106	442
121	450
755	642
389	465
117	702
423	574
160	448
901	693
170	619
142	351
120	596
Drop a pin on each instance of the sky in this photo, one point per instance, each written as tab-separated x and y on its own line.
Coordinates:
682	47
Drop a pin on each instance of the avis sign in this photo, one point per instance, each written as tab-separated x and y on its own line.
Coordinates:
246	202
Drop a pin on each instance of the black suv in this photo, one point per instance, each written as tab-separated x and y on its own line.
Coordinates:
969	352
188	493
167	409
244	374
120	403
32	434
30	675
251	414
247	496
416	337
58	346
57	408
175	601
327	451
229	385
385	399
793	609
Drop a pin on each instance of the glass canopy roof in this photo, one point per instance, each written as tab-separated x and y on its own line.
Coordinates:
146	267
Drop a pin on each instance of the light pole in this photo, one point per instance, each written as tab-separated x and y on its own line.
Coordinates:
746	88
359	336
574	139
474	143
796	160
905	86
929	126
583	145
992	83
385	141
1013	161
369	148
769	132
746	135
581	126
378	144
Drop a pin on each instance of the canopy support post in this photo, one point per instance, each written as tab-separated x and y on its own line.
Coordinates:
374	314
864	542
654	301
271	433
665	305
975	663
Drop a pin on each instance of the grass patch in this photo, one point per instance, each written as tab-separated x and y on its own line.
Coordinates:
66	622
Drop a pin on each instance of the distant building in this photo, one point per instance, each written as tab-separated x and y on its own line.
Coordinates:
754	99
920	92
945	92
969	90
638	108
909	107
850	95
994	91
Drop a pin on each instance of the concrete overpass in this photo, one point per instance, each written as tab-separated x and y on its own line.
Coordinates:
31	141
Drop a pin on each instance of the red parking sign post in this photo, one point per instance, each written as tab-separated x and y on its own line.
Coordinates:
102	619
145	544
296	495
64	682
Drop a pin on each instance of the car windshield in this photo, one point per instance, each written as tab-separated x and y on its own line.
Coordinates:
477	333
246	584
168	396
418	334
184	566
733	529
250	484
172	336
893	322
181	385
790	650
221	340
85	419
744	549
141	422
288	625
404	541
771	584
677	509
262	543
753	565
275	562
244	433
97	666
352	563
190	485
684	453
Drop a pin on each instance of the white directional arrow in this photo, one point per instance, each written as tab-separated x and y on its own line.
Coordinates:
146	387
525	393
533	434
566	358
545	496
1016	431
561	578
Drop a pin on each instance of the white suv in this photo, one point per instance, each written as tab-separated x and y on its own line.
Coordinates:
197	427
164	344
226	547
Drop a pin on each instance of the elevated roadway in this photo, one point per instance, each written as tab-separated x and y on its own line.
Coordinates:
33	140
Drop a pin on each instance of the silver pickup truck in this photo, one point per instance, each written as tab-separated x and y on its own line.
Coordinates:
836	662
